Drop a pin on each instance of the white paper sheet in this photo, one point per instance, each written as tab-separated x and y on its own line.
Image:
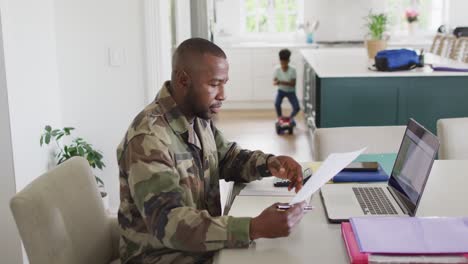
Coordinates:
330	167
225	191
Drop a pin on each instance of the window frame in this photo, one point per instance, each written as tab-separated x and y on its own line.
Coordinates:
270	13
402	30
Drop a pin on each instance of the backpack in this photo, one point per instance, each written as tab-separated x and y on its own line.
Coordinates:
397	60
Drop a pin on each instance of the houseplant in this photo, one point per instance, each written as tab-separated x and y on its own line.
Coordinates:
77	147
376	25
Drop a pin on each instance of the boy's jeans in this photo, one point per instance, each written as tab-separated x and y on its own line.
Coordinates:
292	99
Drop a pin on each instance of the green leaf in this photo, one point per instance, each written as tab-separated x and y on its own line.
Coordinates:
62	159
47	138
48	128
98	180
55	132
59	136
42	140
72	151
67	130
81	151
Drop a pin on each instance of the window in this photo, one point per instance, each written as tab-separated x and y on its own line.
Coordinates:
270	16
431	15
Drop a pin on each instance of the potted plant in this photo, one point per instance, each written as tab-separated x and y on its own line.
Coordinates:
376	25
77	147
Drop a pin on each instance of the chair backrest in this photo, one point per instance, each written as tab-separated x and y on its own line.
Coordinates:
460	50
61	217
436	43
377	139
447	44
453	138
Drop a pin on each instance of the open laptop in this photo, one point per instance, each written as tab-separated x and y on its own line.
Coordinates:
403	192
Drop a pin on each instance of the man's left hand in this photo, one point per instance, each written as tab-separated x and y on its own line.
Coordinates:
287	168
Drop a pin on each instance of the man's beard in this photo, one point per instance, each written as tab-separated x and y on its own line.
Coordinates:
204	114
197	110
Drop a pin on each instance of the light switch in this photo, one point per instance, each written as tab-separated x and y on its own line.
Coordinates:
116	57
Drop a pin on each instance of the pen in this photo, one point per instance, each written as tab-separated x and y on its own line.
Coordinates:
287	206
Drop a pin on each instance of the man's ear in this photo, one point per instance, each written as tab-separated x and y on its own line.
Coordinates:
182	79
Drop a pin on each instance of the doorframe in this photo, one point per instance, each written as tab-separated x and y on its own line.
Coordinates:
158	50
10	242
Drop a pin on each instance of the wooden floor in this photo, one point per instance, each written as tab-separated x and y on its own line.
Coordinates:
255	129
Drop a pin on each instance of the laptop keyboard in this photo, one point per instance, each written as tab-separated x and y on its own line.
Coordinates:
374	201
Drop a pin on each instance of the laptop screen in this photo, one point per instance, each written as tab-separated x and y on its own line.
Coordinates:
413	164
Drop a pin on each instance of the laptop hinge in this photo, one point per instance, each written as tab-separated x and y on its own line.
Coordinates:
397	198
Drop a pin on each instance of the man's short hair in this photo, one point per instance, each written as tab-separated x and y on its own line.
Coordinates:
284	54
196	46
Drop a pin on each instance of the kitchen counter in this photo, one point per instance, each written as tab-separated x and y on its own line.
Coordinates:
340	90
353	62
261	44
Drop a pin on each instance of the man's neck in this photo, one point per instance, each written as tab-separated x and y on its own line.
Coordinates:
181	104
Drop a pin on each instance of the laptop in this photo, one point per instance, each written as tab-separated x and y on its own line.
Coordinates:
402	193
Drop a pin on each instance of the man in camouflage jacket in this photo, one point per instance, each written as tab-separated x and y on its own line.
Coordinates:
171	160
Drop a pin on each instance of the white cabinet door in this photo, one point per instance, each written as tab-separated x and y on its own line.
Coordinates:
239	86
263	89
265	60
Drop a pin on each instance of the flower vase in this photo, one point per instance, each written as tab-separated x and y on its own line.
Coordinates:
411	28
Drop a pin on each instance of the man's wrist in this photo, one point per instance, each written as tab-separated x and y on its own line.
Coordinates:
267	171
253	230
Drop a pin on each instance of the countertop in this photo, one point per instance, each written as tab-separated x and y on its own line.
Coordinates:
353	62
266	45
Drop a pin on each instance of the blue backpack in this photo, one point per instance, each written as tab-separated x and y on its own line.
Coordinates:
397	60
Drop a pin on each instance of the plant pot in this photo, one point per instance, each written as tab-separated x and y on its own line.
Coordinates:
374	46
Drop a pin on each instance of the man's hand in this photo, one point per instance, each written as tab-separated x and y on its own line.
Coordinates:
272	223
287	168
276	82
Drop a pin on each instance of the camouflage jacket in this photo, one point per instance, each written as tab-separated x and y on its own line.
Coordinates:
169	187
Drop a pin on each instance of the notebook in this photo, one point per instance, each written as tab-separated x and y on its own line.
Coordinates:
357	257
361	176
403	192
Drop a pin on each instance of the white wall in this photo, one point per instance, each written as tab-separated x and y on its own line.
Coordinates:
457	13
10	245
32	86
340	19
31	74
98	99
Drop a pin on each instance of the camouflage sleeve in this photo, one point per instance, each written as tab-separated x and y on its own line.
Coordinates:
237	164
163	202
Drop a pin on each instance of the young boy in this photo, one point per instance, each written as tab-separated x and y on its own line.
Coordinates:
285	79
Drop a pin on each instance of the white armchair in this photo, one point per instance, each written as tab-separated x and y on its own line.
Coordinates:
61	218
453	138
377	139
